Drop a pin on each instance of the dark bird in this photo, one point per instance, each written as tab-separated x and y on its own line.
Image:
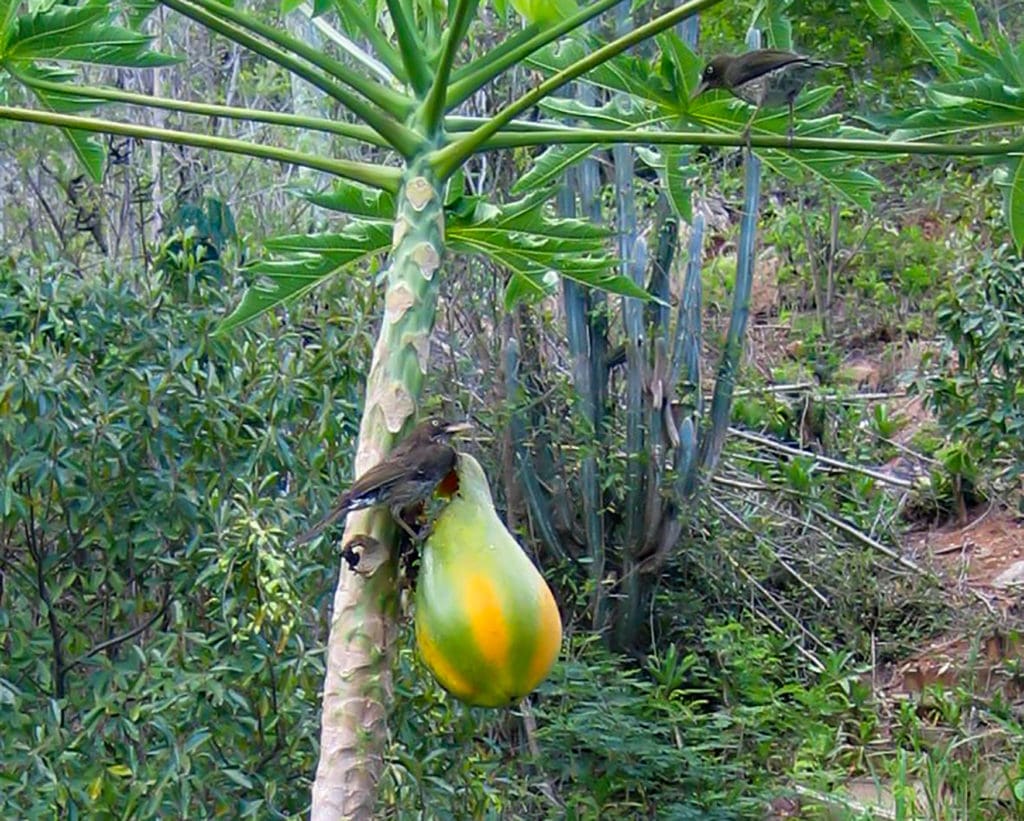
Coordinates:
406	476
764	77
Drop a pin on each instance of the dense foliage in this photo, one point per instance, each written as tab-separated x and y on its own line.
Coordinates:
981	397
163	642
161	639
162	645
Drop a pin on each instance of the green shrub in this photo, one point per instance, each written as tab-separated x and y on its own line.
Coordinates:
980	399
160	637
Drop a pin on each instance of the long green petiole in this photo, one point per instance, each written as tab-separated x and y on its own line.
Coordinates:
391	101
434	105
373	175
579	136
116	95
411	47
399	137
447	159
480	72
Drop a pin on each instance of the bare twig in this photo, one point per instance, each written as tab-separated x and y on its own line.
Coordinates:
772	548
771	444
812	659
874	544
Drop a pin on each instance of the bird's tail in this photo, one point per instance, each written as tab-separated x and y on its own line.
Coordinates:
339	510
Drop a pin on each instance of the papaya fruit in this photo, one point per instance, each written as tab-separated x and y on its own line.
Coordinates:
487	625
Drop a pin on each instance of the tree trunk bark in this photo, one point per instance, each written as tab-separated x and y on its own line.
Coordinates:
358	686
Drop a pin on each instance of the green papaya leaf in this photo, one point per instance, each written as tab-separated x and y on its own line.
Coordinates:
300	262
839	170
8	14
773	21
70	102
674	171
544	12
616	114
90	153
680	67
81	34
964	107
550	166
916	18
628	73
354	199
538	248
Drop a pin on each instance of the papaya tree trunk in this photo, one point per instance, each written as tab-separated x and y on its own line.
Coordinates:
357	686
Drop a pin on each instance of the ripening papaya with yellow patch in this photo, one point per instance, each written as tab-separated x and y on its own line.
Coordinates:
487	625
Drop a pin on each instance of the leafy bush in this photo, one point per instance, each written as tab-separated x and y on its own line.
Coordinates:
700	733
980	399
160	639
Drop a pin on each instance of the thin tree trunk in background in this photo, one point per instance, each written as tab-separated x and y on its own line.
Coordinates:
158	118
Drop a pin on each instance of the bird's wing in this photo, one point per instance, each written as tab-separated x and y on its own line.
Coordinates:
376	481
774	59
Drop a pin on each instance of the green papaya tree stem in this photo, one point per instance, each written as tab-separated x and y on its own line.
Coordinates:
376	176
434	105
397	135
357	686
453	155
393	102
116	95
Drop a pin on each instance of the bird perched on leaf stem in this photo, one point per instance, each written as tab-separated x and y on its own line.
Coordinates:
764	77
406	476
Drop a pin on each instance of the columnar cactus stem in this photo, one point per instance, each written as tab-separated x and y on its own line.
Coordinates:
357	688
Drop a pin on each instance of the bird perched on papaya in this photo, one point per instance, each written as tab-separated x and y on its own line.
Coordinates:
763	77
408	475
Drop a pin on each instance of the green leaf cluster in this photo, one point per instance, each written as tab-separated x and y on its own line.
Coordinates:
522	236
30	44
162	642
979	397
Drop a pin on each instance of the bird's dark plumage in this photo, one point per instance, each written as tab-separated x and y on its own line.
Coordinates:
764	77
407	475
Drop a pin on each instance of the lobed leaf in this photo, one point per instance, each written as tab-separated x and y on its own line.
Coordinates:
354	199
550	166
303	261
538	248
81	34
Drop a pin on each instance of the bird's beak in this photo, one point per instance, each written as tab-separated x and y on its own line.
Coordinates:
700	89
458	427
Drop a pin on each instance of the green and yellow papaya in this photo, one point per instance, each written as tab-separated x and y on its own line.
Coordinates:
487	625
